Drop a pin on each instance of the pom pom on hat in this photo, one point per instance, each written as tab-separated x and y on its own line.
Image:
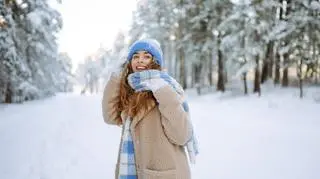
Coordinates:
152	46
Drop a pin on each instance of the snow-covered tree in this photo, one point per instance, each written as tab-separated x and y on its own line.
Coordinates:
65	78
14	72
41	24
89	73
232	38
31	67
205	42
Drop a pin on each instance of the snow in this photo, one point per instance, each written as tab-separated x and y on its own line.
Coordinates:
35	18
243	69
275	136
315	5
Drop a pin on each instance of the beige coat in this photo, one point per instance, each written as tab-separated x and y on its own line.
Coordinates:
158	133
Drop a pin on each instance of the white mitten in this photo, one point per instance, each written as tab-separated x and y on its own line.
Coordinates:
148	80
154	84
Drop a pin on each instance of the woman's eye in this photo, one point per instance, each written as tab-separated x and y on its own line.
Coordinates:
147	57
135	57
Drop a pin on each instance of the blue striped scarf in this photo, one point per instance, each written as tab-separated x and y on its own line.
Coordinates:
136	80
127	166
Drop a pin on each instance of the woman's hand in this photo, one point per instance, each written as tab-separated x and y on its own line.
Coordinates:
147	80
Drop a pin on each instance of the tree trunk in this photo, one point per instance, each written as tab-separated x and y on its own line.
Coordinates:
244	77
197	76
301	87
182	69
193	76
277	69
270	55
270	72
8	93
220	83
257	77
278	56
314	59
257	86
285	78
300	78
267	63
177	65
210	68
265	69
317	71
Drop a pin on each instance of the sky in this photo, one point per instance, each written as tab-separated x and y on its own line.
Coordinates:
89	24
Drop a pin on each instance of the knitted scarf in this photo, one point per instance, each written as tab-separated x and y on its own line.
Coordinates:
136	80
127	166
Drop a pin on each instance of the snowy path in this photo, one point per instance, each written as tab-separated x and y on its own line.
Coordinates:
60	138
241	138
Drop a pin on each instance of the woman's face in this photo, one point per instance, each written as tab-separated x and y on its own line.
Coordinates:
140	61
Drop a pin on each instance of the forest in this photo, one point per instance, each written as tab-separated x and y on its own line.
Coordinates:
209	45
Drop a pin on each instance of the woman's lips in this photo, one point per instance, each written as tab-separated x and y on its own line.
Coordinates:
141	67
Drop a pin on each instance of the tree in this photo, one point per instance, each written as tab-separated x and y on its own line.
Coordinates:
243	41
221	10
29	56
13	70
65	80
233	39
88	74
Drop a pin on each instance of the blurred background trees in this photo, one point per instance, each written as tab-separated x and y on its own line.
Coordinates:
30	65
210	45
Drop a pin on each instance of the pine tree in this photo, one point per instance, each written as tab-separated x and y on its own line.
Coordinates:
29	58
243	40
13	71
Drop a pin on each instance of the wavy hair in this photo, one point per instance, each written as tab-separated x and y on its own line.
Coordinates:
130	101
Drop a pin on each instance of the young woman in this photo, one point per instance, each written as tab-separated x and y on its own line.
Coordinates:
149	105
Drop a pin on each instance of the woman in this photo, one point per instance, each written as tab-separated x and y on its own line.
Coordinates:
149	105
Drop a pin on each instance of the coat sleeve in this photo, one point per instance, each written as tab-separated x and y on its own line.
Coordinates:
175	117
110	100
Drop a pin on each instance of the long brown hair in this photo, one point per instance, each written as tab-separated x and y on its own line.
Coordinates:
130	101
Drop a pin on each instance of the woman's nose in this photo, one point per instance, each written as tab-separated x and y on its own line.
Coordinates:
140	59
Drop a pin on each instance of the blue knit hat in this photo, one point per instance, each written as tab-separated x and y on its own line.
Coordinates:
152	46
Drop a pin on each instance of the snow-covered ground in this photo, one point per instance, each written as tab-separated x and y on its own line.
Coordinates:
276	136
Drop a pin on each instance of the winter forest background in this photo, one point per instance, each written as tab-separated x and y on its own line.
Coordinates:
210	45
251	70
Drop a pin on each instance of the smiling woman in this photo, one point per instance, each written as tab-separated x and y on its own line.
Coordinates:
141	60
157	135
89	24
